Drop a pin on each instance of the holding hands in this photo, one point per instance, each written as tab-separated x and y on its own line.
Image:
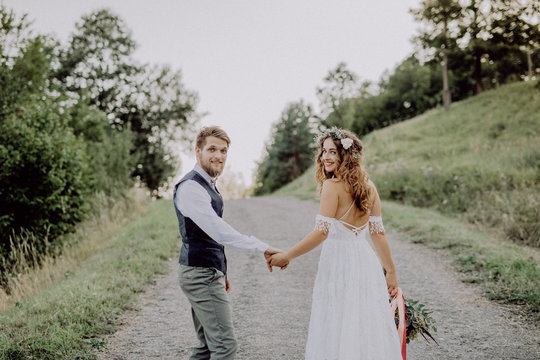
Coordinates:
280	259
276	257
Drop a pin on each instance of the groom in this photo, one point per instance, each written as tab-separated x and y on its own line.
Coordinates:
203	266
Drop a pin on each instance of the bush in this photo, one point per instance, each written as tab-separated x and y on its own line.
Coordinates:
109	150
44	173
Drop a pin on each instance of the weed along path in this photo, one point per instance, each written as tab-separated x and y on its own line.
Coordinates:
271	310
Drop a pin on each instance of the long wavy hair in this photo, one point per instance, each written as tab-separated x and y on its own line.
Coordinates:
349	169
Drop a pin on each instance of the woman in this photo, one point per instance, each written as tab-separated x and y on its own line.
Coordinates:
350	314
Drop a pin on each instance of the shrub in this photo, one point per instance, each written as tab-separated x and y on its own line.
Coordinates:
44	173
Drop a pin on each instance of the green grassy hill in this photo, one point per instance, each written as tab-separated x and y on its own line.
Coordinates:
479	160
475	172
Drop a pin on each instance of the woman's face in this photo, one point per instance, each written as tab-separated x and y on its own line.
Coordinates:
329	155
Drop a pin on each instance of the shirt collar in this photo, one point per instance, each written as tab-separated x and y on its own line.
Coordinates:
204	174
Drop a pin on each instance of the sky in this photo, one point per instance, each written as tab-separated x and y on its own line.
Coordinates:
247	59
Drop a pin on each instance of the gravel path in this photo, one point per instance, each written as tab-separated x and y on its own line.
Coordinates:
271	310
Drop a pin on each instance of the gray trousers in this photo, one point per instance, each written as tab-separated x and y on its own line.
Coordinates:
211	312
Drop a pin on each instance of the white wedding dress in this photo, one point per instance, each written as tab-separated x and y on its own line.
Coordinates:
351	317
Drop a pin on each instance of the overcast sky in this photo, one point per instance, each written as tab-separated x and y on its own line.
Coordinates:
248	58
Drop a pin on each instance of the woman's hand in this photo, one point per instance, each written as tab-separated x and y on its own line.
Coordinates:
392	282
280	259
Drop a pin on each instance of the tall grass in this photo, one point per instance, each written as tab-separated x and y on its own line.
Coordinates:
69	318
479	160
36	270
508	272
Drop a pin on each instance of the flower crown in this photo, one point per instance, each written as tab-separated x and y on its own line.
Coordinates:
338	134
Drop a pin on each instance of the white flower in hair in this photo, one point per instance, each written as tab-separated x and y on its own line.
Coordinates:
347	143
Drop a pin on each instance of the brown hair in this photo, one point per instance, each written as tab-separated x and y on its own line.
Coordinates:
349	169
207	131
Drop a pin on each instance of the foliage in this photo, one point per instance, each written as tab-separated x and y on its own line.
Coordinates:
488	139
291	149
475	161
97	62
418	321
97	68
44	168
110	160
440	19
507	272
71	318
515	38
488	42
340	85
475	46
76	124
410	90
24	61
159	111
43	174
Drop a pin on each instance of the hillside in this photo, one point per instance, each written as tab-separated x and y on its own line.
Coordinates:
466	182
479	160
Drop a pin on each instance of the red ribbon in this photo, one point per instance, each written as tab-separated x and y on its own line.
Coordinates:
398	303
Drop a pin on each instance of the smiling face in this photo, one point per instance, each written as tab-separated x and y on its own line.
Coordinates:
211	158
330	155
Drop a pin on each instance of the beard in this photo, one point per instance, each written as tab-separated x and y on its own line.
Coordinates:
212	169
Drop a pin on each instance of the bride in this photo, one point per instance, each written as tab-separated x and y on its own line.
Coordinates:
350	314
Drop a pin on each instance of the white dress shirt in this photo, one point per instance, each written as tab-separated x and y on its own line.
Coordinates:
194	202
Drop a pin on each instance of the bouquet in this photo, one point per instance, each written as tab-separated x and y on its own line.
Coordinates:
418	321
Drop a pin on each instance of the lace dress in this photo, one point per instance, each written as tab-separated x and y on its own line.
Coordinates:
350	314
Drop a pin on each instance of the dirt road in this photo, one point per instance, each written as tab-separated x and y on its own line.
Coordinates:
271	310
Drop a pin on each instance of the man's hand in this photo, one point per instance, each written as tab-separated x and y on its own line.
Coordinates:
268	256
227	285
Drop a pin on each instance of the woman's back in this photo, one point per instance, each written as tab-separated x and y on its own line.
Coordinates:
347	212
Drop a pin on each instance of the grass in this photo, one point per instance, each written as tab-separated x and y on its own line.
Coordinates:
303	187
466	181
70	317
507	272
33	270
479	160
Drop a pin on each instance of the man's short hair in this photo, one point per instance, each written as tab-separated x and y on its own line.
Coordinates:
215	131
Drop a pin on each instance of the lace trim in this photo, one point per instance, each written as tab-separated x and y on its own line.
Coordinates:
376	225
323	223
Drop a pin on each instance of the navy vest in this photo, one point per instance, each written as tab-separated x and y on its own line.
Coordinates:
198	248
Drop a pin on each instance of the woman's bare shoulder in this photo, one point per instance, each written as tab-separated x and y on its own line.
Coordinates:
372	185
334	186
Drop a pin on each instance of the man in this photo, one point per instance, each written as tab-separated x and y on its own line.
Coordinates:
203	266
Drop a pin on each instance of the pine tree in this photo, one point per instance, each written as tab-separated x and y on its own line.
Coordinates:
290	151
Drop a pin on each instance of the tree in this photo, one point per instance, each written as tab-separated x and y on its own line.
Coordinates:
409	90
97	63
474	32
515	37
160	112
340	84
441	18
56	151
290	151
24	61
151	101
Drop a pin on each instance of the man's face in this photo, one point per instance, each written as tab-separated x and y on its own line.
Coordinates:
211	158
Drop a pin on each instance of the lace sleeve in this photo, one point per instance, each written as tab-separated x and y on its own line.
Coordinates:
323	223
376	225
